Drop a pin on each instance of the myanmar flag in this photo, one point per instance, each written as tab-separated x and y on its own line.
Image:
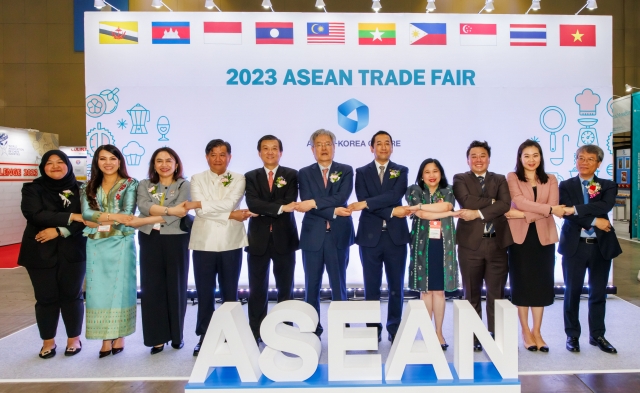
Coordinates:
377	33
577	35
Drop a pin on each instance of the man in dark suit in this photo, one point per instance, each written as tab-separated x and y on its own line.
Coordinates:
383	233
327	228
587	241
271	193
483	233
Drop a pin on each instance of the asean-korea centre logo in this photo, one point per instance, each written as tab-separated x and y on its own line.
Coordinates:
362	115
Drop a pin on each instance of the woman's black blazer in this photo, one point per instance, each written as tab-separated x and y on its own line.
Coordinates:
43	211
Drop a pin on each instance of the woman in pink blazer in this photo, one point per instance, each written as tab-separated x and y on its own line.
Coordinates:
534	201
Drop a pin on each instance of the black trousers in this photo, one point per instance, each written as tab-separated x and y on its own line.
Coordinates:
164	269
207	265
58	290
589	257
283	270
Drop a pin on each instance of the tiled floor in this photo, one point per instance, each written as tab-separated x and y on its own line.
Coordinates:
16	312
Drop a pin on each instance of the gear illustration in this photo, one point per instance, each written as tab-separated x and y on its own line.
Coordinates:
610	143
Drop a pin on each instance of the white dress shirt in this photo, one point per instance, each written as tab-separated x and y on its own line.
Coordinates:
212	229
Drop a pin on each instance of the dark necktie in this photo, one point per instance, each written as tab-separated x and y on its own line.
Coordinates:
585	196
488	227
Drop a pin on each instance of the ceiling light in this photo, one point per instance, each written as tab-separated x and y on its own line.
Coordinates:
590	5
488	6
535	6
156	3
431	5
266	3
99	4
319	4
628	88
376	6
209	4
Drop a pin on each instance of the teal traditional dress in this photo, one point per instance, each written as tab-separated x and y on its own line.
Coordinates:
419	246
111	265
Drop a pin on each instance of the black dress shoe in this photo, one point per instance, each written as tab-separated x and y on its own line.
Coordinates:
573	344
477	347
71	351
543	348
258	341
531	348
48	354
196	349
115	351
177	345
106	353
391	337
157	349
444	346
603	344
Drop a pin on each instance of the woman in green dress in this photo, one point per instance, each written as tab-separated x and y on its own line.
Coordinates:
433	266
109	200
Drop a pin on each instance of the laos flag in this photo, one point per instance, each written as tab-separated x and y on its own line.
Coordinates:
274	33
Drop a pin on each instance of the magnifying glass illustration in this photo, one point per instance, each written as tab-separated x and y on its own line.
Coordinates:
552	120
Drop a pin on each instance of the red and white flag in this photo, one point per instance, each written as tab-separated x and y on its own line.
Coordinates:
223	33
478	34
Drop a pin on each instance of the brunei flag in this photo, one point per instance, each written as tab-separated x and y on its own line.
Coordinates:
377	33
118	32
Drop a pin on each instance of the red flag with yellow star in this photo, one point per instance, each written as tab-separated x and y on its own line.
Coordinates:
577	35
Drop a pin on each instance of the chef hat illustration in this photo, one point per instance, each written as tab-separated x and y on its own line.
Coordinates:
133	153
587	102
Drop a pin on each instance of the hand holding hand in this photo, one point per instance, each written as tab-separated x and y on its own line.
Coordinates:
240	215
603	224
179	210
121	218
514	213
413	208
342	211
191	205
135	222
455	213
357	206
90	224
305	206
77	217
469	215
569	211
288	208
557	211
401	212
251	214
46	234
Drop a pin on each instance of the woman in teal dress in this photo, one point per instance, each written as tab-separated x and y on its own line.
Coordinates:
433	266
109	200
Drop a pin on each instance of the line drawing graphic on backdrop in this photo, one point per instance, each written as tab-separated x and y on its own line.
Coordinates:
122	123
163	127
535	139
104	103
133	153
610	143
98	136
610	169
139	117
548	117
559	160
362	115
610	106
557	175
587	102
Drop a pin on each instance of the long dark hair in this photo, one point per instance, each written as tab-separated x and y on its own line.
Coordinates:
153	175
443	178
97	176
540	173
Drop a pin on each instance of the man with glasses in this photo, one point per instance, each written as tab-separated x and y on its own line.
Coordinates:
327	228
587	241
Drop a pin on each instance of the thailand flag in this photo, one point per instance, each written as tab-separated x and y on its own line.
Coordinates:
528	35
274	33
223	33
478	34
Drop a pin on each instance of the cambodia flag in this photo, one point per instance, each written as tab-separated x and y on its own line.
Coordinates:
170	33
274	33
577	35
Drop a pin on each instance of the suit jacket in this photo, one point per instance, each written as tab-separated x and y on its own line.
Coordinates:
43	211
534	210
336	194
212	229
468	193
381	199
598	206
267	204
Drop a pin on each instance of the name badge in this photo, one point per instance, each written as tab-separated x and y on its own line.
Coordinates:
435	229
104	228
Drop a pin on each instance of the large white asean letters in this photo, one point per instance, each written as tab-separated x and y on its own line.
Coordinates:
230	343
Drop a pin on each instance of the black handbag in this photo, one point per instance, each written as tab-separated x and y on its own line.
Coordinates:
186	222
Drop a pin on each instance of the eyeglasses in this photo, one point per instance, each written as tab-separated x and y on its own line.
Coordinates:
321	145
589	160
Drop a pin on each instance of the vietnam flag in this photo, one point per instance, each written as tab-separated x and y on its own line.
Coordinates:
377	33
577	35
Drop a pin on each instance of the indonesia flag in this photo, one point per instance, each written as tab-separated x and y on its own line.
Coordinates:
478	34
528	35
223	33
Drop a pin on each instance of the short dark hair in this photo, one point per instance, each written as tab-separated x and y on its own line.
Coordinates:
269	138
153	175
217	143
443	178
482	144
381	132
540	173
591	149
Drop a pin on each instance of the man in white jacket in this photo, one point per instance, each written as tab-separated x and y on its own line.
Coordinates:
218	234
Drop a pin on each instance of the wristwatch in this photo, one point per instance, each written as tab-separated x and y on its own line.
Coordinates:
58	230
166	211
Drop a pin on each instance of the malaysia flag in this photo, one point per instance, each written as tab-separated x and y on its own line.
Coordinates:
274	33
478	34
170	33
428	33
528	35
325	33
223	33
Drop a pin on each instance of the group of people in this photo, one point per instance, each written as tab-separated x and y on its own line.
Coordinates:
505	228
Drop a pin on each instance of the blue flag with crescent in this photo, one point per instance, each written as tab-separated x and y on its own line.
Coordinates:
317	29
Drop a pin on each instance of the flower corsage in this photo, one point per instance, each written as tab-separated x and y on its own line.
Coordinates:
280	182
226	180
65	197
394	173
154	192
335	176
593	189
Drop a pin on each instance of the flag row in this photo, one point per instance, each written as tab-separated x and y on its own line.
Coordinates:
334	33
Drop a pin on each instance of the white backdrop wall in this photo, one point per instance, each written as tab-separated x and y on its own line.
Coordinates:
147	95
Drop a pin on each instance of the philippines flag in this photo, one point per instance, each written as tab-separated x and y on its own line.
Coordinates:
428	33
325	33
528	35
478	34
223	33
170	33
274	33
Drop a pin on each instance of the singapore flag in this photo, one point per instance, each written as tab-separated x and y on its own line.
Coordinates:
478	34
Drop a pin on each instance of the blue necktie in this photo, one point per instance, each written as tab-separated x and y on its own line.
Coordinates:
488	227
585	196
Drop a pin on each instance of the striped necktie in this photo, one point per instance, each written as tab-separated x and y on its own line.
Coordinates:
488	227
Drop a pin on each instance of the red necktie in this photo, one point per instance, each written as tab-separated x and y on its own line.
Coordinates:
270	180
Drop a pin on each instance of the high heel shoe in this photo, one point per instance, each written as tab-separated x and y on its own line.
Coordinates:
114	350
157	349
531	348
543	348
48	354
444	346
106	353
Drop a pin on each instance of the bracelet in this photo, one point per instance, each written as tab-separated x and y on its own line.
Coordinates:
58	230
420	206
550	209
166	211
108	217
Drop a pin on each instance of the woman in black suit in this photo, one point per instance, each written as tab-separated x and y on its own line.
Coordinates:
54	252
